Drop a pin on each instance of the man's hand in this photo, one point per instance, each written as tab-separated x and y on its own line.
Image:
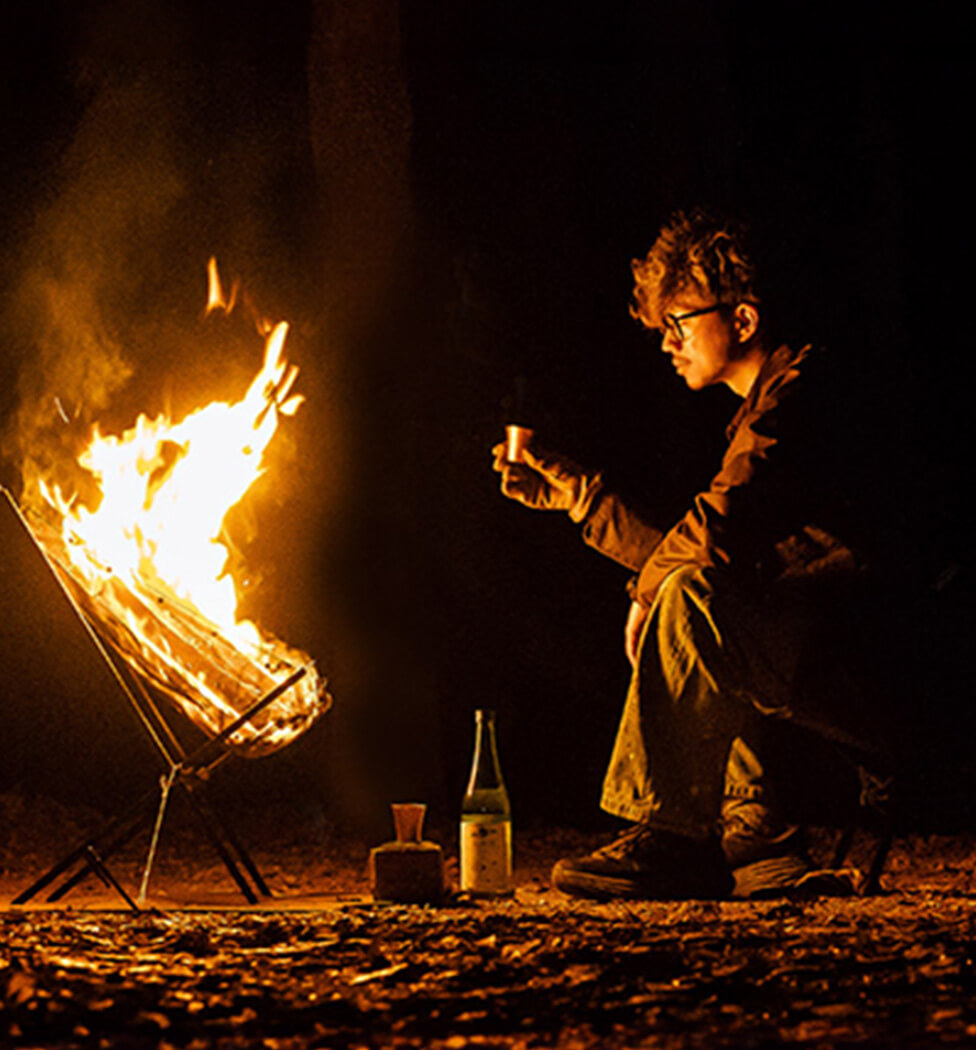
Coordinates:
547	481
634	630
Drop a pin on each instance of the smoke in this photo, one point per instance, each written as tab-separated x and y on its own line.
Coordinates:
97	219
187	142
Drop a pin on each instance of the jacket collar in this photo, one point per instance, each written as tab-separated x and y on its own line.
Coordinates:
777	364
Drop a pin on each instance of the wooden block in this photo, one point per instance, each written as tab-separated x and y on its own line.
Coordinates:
407	872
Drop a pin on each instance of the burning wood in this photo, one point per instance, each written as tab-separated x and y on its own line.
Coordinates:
169	643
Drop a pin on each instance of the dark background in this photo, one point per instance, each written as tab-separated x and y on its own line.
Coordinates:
444	200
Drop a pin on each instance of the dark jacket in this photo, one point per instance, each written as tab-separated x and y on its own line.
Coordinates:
784	501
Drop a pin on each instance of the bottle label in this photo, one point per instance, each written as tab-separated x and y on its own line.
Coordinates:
486	857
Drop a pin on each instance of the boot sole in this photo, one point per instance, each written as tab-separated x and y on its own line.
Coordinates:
792	878
595	886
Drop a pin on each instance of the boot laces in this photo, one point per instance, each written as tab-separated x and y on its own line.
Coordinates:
630	843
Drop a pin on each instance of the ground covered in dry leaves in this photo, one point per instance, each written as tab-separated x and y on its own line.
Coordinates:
321	965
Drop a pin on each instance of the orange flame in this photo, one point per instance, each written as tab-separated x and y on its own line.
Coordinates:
166	488
216	300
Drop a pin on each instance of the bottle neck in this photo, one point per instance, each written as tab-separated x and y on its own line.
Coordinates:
486	773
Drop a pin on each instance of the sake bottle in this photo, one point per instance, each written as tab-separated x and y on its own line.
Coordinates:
486	818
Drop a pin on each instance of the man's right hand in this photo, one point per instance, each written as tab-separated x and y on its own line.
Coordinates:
547	481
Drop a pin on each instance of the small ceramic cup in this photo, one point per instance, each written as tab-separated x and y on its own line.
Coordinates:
408	819
516	438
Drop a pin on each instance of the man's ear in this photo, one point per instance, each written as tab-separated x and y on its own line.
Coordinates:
746	321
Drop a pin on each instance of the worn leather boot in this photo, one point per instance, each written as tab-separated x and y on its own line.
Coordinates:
647	863
768	857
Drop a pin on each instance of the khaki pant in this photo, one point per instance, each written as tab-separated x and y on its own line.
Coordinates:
715	667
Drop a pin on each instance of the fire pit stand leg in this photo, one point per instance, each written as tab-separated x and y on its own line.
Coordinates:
91	856
245	860
126	826
187	774
101	870
227	846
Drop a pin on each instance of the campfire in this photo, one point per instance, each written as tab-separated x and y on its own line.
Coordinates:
149	560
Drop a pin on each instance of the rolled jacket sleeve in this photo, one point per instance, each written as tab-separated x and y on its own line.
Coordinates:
615	529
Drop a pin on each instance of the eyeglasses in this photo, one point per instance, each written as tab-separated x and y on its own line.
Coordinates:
672	322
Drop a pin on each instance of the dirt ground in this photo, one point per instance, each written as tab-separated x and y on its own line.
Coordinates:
322	965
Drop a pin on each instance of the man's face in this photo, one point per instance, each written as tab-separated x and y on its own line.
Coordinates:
708	350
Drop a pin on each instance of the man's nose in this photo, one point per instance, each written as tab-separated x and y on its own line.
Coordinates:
670	343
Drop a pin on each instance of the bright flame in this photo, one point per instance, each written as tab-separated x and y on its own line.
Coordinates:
216	300
166	488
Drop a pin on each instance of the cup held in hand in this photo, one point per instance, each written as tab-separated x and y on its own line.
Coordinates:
516	439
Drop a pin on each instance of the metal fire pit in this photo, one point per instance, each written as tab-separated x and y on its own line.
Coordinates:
243	707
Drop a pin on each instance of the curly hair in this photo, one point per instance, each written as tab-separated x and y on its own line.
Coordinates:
694	252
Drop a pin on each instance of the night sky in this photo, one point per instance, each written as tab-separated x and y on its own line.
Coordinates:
446	210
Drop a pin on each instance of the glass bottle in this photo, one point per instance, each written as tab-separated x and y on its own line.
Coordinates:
486	818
